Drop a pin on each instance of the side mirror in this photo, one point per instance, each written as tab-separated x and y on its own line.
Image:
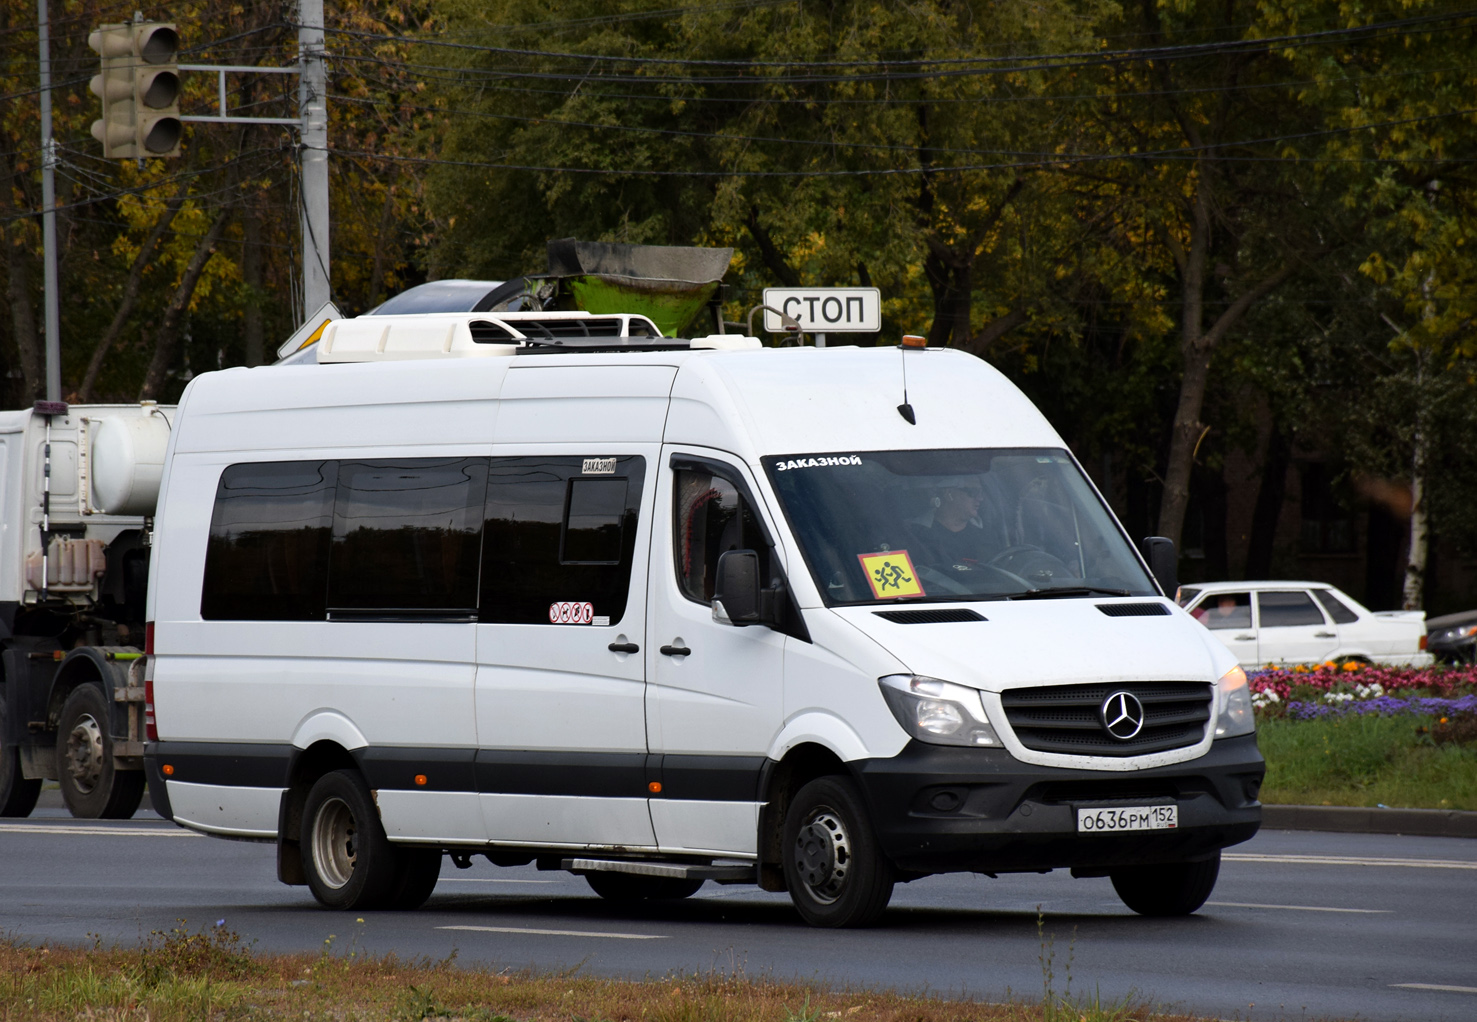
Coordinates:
737	597
1164	562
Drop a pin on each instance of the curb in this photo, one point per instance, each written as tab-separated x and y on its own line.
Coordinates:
1348	820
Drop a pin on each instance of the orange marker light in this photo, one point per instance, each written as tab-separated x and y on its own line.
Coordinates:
914	341
420	780
167	769
655	787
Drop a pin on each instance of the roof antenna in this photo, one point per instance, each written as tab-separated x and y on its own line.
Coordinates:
909	341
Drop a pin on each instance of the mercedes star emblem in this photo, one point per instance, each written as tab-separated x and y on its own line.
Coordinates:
1122	715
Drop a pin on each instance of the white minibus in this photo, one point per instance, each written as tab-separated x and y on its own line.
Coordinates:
553	589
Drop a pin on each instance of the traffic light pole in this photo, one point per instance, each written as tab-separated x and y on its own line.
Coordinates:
313	155
48	214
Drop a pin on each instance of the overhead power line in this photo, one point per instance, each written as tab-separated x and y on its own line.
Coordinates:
1013	63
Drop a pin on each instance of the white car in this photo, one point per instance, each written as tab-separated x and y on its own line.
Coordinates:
1303	623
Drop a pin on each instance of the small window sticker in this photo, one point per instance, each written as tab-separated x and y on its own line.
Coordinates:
891	574
570	613
598	467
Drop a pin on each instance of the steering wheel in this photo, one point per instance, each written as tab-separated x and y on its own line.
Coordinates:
1031	562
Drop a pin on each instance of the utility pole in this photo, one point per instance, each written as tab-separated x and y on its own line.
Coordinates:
48	214
313	106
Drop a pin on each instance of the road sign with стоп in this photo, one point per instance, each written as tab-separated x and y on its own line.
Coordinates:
826	310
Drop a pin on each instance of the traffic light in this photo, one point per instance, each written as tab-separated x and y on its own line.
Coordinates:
140	87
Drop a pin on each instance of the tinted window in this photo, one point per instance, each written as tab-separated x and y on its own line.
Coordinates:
711	517
594	522
1225	610
406	535
556	536
1187	596
1335	607
267	556
1288	608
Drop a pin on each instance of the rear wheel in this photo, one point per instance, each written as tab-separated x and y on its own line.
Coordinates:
1167	889
631	887
92	787
834	868
348	861
18	794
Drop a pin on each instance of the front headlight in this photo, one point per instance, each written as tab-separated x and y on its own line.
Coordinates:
939	712
1233	705
1456	634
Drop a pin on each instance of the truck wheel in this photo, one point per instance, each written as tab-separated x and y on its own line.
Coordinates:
420	868
626	888
834	868
18	794
1167	889
91	786
348	861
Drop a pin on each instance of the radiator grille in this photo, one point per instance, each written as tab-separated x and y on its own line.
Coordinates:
1067	718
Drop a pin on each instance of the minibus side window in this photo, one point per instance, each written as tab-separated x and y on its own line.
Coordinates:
267	556
711	517
559	540
406	535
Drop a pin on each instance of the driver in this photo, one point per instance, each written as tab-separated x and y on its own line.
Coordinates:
951	534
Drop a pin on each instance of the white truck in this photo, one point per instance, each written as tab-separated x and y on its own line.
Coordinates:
77	493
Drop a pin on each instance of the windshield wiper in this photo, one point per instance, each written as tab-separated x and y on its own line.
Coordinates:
1055	591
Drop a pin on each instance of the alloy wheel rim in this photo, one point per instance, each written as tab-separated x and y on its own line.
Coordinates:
335	842
822	855
85	753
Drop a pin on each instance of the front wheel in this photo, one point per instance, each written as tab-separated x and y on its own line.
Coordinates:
1167	889
833	865
348	860
18	793
92	787
626	888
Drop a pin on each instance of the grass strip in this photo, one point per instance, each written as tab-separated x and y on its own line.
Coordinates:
210	975
1366	760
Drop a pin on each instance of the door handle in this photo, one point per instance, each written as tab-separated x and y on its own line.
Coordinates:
1325	635
675	651
1245	638
624	647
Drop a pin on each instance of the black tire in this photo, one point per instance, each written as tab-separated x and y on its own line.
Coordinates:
627	888
1167	889
18	793
348	861
833	865
420	868
91	786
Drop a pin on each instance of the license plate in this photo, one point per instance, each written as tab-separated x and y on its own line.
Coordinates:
1094	821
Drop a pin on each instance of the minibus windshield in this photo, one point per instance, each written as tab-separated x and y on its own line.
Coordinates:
886	526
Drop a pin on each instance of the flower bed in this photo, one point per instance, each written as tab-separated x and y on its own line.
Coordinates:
1307	692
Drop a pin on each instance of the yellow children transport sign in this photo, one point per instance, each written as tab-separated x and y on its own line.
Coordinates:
891	574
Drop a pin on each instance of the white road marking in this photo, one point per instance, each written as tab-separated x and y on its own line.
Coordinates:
558	933
1348	860
1301	908
1436	986
35	828
494	880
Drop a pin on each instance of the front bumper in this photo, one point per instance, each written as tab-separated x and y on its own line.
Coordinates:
941	809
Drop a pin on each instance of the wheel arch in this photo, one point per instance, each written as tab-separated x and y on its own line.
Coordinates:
778	784
303	770
90	665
